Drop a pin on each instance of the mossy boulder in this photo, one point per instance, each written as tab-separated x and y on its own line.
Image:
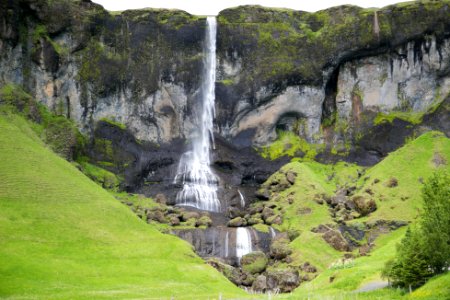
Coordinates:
275	219
174	220
161	199
233	274
286	280
203	221
335	239
254	262
157	216
189	215
364	206
279	248
237	222
255	219
267	213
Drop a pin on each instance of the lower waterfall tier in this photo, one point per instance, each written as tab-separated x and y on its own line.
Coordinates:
229	244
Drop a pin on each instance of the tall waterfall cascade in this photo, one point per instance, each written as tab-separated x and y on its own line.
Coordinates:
194	171
243	242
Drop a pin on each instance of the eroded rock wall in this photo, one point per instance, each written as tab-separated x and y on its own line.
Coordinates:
333	77
342	62
140	68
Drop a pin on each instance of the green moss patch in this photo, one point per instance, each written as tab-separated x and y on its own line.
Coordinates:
290	144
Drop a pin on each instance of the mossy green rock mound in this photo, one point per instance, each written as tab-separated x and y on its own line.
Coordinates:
254	262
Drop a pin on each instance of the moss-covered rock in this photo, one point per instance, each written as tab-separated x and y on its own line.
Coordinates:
237	222
279	248
254	262
364	206
204	221
286	280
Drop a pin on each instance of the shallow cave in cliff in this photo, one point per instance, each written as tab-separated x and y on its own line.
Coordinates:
290	121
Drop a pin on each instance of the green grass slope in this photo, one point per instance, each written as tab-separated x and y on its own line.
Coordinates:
410	166
63	237
313	180
436	289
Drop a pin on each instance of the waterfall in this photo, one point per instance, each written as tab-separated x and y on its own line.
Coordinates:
273	233
243	242
242	199
194	172
226	245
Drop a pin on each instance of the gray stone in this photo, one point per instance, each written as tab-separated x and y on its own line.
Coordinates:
291	176
260	284
284	280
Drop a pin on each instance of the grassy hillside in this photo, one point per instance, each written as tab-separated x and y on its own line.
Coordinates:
63	237
408	167
313	180
436	289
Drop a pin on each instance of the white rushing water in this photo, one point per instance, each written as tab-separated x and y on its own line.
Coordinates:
273	233
242	199
199	182
243	242
226	245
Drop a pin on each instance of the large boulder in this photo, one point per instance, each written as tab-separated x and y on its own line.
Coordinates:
255	219
291	176
275	219
204	221
267	213
281	185
364	206
189	215
237	222
279	248
233	274
284	280
260	284
336	240
156	215
254	262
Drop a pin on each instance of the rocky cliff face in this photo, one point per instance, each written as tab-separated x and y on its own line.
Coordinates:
326	75
139	68
355	81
